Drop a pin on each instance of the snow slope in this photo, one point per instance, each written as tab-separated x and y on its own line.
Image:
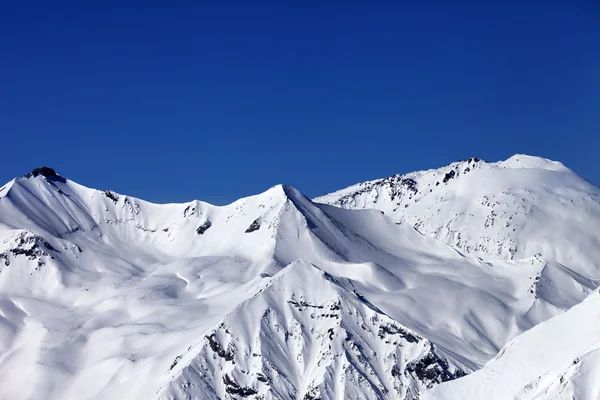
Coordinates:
106	296
512	209
308	341
558	359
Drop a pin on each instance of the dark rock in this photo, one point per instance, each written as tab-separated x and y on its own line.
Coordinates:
189	210
396	330
49	246
29	253
174	362
449	176
35	251
311	396
47	173
330	333
204	227
471	160
111	196
303	304
433	369
234	389
217	348
410	183
397	186
254	226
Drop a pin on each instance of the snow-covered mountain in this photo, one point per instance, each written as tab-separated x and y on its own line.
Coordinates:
556	360
513	209
106	296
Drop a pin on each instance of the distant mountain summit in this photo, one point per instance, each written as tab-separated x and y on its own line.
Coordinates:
392	288
510	209
46	172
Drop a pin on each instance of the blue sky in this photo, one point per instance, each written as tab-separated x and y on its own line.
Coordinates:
219	100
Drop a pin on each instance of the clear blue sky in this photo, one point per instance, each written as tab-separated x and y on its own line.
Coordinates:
171	101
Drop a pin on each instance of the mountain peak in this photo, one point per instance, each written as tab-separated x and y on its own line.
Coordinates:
319	328
470	160
286	190
534	162
41	177
46	172
480	208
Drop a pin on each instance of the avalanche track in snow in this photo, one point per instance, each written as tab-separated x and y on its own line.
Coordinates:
106	296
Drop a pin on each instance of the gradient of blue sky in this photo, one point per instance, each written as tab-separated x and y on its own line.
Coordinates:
218	100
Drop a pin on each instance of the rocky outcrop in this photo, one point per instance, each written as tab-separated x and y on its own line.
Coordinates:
46	172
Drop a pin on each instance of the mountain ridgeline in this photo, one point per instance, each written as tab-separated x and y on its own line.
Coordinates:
390	289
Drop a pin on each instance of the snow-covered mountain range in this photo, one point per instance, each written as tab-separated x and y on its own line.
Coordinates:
379	291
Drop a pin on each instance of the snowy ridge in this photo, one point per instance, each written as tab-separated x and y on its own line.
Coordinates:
558	359
106	296
328	339
512	209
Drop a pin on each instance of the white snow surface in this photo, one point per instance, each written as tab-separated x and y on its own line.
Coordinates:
105	296
556	360
512	209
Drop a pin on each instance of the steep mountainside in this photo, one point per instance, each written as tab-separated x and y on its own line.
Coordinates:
106	296
556	360
308	341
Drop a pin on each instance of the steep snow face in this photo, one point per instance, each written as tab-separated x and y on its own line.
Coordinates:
514	209
106	296
558	359
307	341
